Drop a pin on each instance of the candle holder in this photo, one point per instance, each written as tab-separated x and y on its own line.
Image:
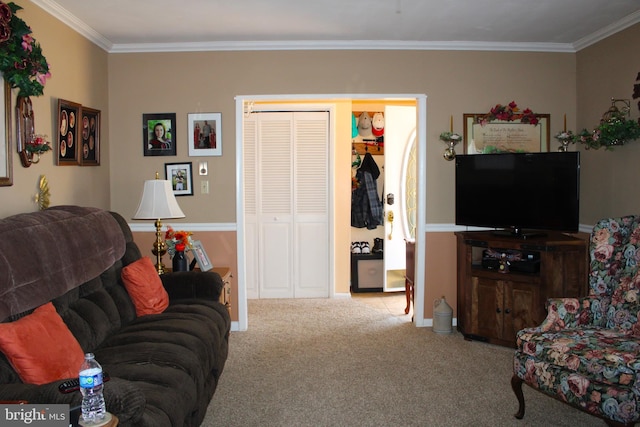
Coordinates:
565	138
451	139
36	146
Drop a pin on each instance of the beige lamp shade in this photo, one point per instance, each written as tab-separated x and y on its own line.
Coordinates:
158	201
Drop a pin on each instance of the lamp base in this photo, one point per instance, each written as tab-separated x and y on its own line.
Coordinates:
159	248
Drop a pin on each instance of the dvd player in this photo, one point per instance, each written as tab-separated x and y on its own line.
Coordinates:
528	261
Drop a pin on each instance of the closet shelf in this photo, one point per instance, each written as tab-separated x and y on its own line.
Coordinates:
371	147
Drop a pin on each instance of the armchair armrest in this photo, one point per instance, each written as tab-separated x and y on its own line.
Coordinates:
566	313
193	284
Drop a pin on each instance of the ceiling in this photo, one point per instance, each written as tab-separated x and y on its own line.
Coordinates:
168	25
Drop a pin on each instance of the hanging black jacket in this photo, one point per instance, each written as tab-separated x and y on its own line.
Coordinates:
366	207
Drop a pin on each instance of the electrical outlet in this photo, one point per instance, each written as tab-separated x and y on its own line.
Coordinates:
204	187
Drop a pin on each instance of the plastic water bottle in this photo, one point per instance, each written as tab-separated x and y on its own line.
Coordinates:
93	407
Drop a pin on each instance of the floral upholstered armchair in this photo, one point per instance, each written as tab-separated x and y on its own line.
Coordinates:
587	351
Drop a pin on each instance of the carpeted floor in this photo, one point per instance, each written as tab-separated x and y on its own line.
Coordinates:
342	362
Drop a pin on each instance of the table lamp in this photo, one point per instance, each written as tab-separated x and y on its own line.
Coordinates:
158	202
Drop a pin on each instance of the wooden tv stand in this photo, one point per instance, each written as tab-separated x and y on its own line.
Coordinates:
493	305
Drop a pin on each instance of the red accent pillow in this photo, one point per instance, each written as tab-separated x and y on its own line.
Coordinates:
145	287
40	347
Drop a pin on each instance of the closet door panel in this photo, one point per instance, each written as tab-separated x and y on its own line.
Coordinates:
275	208
276	263
287	204
311	240
311	260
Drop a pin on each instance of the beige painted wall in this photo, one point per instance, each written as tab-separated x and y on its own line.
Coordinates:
455	83
79	74
609	180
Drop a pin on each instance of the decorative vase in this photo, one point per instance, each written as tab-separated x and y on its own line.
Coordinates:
442	317
180	262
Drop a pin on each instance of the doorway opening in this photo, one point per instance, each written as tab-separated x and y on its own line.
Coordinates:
339	107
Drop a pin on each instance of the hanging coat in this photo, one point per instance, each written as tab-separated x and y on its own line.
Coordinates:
366	207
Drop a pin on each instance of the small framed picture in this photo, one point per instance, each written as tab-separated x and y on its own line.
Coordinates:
67	134
201	256
181	177
90	137
158	134
205	134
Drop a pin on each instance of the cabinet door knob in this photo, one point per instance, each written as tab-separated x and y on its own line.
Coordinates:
507	311
498	310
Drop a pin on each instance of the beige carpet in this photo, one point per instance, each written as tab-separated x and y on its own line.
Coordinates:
341	362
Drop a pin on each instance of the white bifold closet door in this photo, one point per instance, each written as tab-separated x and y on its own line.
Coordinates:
286	163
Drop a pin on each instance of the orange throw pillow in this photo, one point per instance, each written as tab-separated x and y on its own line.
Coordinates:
145	287
40	347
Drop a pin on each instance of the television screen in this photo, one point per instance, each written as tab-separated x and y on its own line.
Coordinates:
518	191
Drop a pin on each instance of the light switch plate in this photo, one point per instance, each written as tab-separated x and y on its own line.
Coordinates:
204	187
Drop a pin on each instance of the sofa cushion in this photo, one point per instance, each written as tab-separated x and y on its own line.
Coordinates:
609	356
40	347
176	357
145	287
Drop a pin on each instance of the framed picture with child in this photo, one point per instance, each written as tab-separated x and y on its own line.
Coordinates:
181	177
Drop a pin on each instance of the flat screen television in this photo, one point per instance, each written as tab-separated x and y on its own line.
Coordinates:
518	192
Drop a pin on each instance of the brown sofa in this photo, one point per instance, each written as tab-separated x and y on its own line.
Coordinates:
163	368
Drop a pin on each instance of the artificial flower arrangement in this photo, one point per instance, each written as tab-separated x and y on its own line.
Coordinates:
610	133
565	136
509	113
38	144
617	130
450	137
177	240
22	63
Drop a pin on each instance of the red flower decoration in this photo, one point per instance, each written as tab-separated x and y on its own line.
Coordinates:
509	113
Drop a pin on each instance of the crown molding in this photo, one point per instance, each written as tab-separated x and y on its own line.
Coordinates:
339	45
73	22
92	35
607	31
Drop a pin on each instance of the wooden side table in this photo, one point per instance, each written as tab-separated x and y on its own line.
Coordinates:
225	295
109	421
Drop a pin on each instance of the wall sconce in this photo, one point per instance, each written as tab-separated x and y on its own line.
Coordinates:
615	113
451	139
30	146
158	202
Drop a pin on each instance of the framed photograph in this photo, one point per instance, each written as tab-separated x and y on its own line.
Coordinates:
201	256
505	137
90	137
158	134
181	177
6	168
67	138
205	134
